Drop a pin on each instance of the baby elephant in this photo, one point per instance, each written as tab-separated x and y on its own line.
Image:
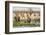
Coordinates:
29	20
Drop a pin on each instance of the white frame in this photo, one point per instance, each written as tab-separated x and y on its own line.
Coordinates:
11	29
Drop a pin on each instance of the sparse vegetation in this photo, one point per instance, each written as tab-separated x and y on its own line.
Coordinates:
23	23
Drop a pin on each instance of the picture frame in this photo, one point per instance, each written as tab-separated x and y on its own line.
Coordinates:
14	24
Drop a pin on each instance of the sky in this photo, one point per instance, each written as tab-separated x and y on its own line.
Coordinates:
25	9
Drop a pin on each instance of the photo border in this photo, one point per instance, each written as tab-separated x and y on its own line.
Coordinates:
7	16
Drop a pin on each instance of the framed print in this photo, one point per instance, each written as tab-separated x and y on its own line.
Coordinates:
24	17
